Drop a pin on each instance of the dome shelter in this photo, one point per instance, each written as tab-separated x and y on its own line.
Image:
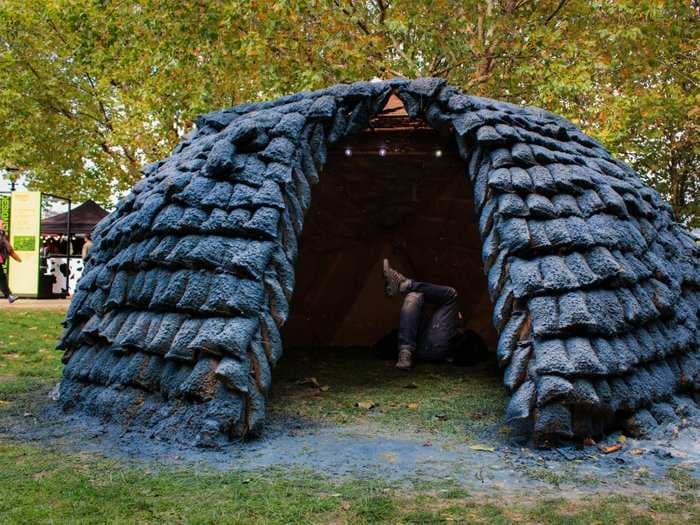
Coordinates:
593	288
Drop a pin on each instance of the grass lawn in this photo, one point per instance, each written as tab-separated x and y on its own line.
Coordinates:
39	484
43	486
27	349
350	386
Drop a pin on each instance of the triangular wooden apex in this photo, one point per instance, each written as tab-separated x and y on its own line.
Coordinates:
394	107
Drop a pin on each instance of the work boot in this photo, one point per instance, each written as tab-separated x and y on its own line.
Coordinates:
405	357
11	298
393	280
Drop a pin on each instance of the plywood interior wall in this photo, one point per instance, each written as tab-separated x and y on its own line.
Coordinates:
409	206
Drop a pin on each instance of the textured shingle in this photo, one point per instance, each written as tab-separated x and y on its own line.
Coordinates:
583	357
525	276
545	315
513	332
514	234
520	404
540	206
552	388
542	180
551	357
520	179
565	205
574	313
516	371
556	274
512	205
553	420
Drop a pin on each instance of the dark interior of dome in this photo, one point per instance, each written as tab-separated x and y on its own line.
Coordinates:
413	205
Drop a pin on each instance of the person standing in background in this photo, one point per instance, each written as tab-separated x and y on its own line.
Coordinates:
86	246
5	251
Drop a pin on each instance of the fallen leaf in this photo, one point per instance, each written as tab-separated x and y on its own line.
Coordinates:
478	415
621	439
611	448
365	405
412	406
311	381
389	457
482	448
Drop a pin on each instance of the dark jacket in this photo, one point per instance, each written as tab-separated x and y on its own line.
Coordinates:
5	247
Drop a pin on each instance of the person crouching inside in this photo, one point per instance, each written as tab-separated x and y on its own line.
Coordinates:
437	337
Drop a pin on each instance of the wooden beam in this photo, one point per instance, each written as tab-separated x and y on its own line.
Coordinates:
397	141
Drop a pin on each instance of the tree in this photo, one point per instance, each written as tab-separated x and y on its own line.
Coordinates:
93	89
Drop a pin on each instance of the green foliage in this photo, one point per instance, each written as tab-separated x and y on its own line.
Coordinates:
92	89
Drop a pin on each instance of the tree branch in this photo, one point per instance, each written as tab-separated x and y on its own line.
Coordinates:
350	14
554	13
382	10
107	120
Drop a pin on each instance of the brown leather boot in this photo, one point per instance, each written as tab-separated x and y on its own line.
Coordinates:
405	357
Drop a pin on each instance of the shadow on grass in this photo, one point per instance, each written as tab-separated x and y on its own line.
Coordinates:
352	385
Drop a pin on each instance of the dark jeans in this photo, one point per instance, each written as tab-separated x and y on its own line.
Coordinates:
4	288
429	337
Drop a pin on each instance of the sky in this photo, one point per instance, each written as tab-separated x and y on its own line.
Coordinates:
5	184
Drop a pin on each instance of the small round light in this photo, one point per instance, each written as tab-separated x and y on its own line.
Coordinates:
348	152
438	153
382	152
